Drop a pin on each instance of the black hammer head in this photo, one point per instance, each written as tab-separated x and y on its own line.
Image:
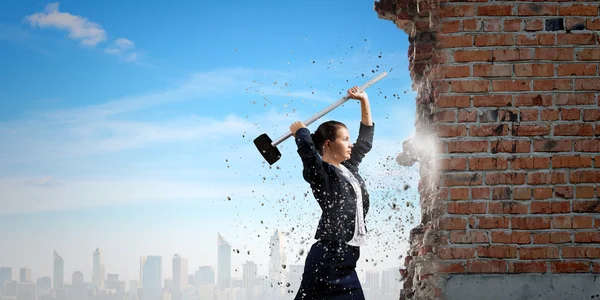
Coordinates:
264	144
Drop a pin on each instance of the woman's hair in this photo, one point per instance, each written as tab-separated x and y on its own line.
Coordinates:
326	131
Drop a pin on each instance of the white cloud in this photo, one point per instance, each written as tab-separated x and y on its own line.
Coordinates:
79	28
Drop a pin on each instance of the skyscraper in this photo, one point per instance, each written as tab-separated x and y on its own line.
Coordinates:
77	278
204	275
59	276
180	276
223	263
98	269
249	276
5	275
278	261
24	274
152	278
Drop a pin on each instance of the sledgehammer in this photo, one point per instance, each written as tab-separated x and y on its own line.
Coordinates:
268	148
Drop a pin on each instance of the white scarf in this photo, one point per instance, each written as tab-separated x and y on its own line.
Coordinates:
360	232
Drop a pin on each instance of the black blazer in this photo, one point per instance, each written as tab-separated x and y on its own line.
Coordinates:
331	189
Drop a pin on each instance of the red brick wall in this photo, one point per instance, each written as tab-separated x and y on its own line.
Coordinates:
511	92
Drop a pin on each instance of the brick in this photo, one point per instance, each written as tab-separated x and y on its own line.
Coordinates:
587	237
456	71
554	54
505	178
542	193
488	130
537	39
593	24
492	25
576	70
513	25
570	114
531	253
574	24
463	208
452	223
469	86
494	251
511	237
445	116
452	164
581	252
587	146
573	129
586	206
527	267
488	222
512	54
554	207
588	54
492	101
585	222
480	193
447	41
537	9
571	161
453	179
455	253
531	130
530	163
549	114
553	85
576	38
574	99
465	116
511	85
534	25
569	266
469	237
459	194
486	266
451	26
467	146
532	100
528	115
596	267
590	115
487	40
495	10
484	70
565	192
445	267
488	163
502	193
453	11
472	55
578	10
587	84
453	101
507	207
561	222
451	130
585	177
529	223
552	145
514	146
471	25
508	115
538	178
552	237
537	70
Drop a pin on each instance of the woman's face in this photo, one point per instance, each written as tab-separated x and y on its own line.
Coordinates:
341	148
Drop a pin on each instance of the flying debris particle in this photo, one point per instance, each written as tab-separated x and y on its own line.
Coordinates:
228	198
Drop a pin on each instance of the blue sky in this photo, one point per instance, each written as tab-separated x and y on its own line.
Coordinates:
129	126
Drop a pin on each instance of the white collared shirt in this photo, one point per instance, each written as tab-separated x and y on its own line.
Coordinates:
360	232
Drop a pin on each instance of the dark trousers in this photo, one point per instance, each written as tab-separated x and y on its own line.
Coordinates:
330	273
